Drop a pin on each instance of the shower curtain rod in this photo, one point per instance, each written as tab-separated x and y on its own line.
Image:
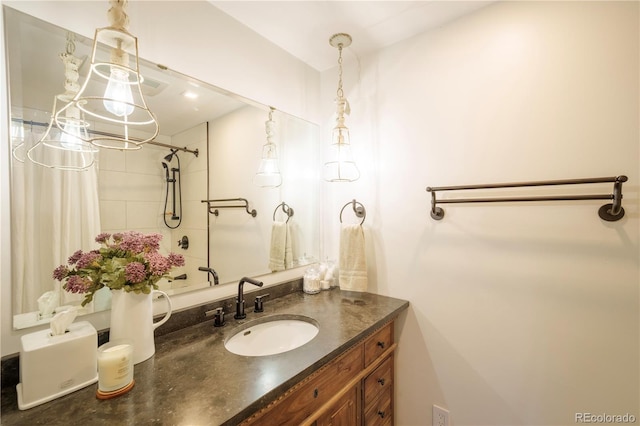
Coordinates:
609	212
99	133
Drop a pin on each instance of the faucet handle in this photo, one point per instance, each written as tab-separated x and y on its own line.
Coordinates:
257	306
218	317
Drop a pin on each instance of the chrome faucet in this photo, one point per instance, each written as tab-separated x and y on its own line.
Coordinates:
240	300
212	272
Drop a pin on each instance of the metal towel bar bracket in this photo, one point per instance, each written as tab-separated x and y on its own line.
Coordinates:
610	212
213	209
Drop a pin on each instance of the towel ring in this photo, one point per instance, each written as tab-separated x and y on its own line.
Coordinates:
286	209
360	211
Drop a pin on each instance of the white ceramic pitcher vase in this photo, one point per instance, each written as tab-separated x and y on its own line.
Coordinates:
132	319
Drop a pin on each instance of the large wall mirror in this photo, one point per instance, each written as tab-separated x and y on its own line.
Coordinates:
203	192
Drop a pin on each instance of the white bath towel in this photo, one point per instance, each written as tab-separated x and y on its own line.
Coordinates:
353	263
281	255
288	247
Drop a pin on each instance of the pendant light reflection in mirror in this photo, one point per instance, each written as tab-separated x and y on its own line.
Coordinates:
268	175
62	147
341	166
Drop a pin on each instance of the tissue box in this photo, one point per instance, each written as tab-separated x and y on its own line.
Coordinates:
53	366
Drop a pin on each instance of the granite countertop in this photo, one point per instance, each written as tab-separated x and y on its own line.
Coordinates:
193	380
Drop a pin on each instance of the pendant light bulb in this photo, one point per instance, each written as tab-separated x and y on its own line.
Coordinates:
118	98
73	130
341	167
70	137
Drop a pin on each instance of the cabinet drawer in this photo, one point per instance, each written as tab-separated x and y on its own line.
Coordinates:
379	342
380	379
309	396
380	411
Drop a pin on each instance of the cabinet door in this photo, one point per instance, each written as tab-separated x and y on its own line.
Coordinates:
344	412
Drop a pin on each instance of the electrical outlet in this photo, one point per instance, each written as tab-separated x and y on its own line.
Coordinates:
440	416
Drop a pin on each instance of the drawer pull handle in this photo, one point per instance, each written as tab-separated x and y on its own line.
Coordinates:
381	345
315	393
381	381
381	414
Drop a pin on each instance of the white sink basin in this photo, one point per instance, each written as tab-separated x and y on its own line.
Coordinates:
272	335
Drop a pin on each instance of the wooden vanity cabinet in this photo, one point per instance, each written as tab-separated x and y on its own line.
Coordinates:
356	388
377	394
344	412
377	389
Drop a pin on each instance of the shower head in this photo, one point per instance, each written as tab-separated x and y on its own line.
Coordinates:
170	156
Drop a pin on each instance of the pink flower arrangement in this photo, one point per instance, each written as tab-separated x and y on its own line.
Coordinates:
126	261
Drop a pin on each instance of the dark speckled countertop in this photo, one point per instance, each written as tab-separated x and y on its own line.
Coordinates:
193	380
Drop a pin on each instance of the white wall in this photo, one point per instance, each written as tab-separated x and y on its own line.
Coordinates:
521	314
234	156
190	37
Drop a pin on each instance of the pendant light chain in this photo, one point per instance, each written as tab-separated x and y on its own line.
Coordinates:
71	66
117	15
71	45
341	102
340	92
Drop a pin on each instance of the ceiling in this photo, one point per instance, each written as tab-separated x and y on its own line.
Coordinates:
303	28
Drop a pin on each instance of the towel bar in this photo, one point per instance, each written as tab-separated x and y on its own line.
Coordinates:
610	212
214	209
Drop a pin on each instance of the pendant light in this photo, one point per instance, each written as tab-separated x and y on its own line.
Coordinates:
268	175
63	144
112	93
341	166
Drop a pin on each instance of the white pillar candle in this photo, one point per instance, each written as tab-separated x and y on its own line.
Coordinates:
115	366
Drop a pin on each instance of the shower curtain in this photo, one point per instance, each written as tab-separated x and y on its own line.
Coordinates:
54	213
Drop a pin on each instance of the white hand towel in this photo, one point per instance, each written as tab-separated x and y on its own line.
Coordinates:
288	247
353	263
280	256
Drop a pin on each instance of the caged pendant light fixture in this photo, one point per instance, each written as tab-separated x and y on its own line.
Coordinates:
112	93
341	166
63	144
268	175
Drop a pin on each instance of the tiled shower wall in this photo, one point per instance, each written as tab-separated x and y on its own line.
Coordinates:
132	192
